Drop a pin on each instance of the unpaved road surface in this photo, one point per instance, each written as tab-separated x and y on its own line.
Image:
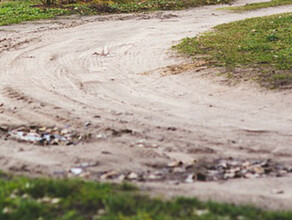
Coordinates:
106	75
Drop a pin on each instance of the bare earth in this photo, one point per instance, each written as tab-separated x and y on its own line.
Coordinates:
117	72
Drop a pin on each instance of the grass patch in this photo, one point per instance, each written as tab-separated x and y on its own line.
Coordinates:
254	6
262	44
17	11
24	198
12	12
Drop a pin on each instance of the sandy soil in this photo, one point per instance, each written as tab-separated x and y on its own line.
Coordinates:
108	70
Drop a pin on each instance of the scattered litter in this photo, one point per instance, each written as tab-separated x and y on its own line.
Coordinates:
216	170
231	168
43	135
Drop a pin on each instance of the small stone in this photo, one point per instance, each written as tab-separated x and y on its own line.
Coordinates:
25	196
101	136
251	176
85	175
45	200
229	175
277	191
288	169
201	212
281	173
122	177
233	163
246	164
132	176
85	165
258	169
6	210
42	129
140	145
55	201
190	164
223	164
64	131
175	164
108	175
152	177
141	141
87	124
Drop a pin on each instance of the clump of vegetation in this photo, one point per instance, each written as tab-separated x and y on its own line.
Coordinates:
259	5
24	198
17	11
261	44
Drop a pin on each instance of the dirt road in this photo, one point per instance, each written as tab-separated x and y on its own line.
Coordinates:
106	75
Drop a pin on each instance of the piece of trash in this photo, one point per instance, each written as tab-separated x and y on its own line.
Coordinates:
103	53
76	171
201	212
55	201
132	176
190	178
6	210
175	164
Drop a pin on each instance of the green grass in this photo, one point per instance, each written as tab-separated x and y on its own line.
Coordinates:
22	198
12	12
151	5
254	6
18	11
262	45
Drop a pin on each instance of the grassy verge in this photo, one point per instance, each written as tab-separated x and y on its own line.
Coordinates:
254	6
17	11
24	198
261	45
